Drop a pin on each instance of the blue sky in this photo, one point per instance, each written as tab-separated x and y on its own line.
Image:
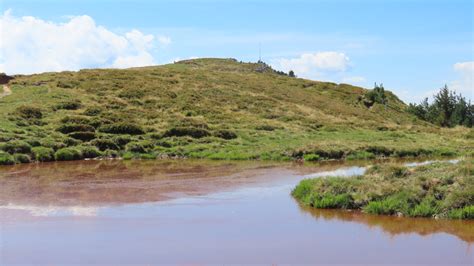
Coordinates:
412	47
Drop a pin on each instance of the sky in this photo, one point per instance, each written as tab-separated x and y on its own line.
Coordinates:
413	47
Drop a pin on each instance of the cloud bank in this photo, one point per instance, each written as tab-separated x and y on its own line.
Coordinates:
31	45
307	63
465	84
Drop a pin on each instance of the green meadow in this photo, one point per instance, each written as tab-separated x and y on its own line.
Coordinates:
209	108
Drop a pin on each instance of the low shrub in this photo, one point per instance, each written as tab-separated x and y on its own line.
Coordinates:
68	105
33	142
52	143
360	155
67	154
342	201
303	191
462	213
111	154
379	150
139	147
128	156
148	156
16	146
22	158
29	112
427	208
6	159
122	128
311	157
71	142
93	111
122	140
83	136
186	131
265	128
89	152
225	134
43	154
104	144
391	205
69	128
164	144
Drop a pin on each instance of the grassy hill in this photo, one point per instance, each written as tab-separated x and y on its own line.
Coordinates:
209	108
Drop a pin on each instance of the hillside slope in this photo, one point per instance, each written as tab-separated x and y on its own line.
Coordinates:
211	108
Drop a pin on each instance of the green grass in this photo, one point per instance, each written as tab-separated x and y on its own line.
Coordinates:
442	190
217	109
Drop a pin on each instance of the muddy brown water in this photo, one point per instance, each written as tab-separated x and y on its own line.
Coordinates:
199	212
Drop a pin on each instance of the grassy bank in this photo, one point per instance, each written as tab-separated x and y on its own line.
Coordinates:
209	108
441	190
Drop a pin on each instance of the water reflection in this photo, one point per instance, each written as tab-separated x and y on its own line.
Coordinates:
84	189
393	226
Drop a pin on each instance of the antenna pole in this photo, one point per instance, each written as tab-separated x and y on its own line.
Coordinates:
259	52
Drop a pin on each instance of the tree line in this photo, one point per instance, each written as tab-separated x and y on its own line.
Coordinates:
448	109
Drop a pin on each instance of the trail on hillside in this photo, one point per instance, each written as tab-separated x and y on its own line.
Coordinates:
6	91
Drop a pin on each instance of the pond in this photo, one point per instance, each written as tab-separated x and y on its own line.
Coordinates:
188	212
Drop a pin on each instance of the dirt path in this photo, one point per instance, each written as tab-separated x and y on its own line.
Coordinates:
6	91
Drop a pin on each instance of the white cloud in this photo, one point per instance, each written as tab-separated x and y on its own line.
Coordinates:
32	45
309	64
465	83
164	40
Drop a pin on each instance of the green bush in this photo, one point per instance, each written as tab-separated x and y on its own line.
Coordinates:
29	112
69	128
424	209
22	158
390	205
342	201
186	131
148	156
67	154
462	213
139	147
379	150
89	151
93	111
360	155
52	143
71	142
105	144
111	154
43	154
122	128
128	156
311	157
68	105
84	136
265	128
6	159
225	134
122	140
303	191
16	146
33	142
